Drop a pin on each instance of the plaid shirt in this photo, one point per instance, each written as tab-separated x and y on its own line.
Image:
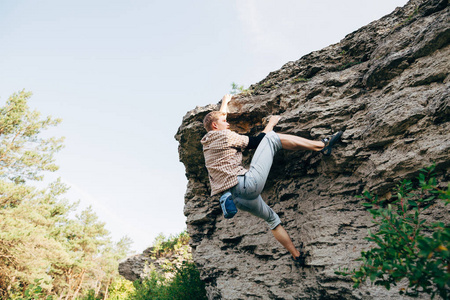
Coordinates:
223	158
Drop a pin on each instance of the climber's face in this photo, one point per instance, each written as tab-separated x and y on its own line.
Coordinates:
221	123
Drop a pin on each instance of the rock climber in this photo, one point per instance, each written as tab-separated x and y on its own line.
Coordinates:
223	148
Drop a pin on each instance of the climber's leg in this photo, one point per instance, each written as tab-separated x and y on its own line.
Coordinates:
259	208
283	237
262	160
292	142
256	207
252	183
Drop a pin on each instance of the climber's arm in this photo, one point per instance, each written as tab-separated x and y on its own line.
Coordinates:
255	140
225	100
272	122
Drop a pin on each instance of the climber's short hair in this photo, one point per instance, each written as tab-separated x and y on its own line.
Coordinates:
210	118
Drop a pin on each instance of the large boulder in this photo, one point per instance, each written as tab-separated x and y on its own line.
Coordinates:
140	266
386	85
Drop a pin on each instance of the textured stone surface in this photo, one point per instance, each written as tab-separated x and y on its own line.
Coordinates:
138	266
134	267
387	84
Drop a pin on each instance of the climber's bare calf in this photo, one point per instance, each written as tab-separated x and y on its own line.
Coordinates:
282	236
292	142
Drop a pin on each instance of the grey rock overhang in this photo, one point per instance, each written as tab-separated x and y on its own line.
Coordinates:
387	85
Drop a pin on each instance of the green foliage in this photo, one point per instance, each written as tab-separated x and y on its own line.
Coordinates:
173	281
407	246
29	244
23	153
411	16
32	292
121	289
90	295
299	79
152	287
167	245
239	89
185	284
45	252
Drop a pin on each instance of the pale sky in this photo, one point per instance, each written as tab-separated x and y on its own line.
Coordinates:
122	74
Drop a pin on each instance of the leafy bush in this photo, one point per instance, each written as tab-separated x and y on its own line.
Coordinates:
121	289
185	284
407	245
151	287
176	279
32	292
167	245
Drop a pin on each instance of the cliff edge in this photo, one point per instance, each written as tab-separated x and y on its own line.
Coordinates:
387	85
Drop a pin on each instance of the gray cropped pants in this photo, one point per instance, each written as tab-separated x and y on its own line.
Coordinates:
246	193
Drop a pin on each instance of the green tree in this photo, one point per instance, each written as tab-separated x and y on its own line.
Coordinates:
45	252
239	89
83	238
107	274
176	280
23	153
407	245
121	289
163	245
27	215
28	249
186	283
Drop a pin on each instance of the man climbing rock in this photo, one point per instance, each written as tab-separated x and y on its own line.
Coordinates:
223	148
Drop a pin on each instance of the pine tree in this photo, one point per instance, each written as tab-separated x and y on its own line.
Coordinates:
23	153
43	250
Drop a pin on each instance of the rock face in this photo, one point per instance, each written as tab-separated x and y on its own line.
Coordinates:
135	267
387	85
139	266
